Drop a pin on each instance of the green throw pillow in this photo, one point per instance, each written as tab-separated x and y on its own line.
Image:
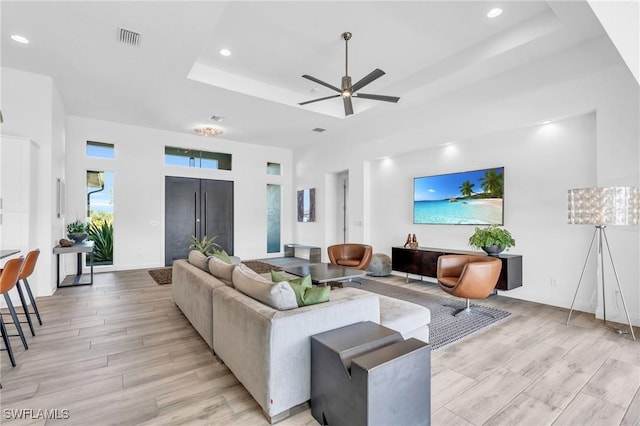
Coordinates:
277	277
306	294
223	255
315	295
310	295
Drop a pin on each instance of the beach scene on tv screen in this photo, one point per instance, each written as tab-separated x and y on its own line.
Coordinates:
465	198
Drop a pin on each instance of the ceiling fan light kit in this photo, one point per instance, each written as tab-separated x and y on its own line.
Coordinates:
348	91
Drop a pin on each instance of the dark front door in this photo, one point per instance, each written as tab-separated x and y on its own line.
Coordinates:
196	207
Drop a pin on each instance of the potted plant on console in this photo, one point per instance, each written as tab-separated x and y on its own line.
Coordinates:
77	231
492	240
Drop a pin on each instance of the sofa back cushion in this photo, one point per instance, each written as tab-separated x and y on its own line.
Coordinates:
198	260
221	270
279	295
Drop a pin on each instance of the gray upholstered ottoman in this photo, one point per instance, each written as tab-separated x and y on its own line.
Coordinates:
407	318
380	265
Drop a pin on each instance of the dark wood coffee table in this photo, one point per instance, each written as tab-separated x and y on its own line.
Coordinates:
326	273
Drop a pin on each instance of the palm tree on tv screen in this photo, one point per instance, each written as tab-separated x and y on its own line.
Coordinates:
466	188
493	183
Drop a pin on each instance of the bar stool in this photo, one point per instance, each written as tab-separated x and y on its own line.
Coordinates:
27	269
8	279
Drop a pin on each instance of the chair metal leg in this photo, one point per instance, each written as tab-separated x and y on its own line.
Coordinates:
33	300
7	342
25	308
16	321
468	310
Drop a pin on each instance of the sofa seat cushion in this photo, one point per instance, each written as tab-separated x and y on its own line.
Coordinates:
279	295
407	318
348	262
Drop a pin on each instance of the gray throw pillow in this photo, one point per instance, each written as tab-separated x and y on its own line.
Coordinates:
279	295
221	270
199	260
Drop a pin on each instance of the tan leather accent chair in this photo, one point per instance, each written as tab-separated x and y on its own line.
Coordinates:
468	276
350	255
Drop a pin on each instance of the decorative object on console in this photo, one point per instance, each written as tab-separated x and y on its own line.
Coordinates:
468	198
414	242
65	243
77	231
492	240
601	207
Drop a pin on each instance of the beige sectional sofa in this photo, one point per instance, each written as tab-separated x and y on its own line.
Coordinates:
268	350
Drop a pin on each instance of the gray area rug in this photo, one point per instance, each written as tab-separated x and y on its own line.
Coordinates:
444	329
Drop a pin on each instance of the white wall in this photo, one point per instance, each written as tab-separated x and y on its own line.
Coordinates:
32	108
597	142
139	187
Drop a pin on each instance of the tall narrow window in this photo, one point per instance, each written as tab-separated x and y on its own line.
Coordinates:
100	213
273	218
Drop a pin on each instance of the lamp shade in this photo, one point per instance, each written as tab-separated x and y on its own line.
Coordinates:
618	205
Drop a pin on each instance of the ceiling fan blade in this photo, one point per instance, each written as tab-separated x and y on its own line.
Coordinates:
373	75
393	99
319	99
315	80
348	107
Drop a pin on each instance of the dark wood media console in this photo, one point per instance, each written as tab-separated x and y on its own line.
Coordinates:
423	261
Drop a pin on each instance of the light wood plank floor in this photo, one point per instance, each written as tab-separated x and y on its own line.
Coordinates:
120	352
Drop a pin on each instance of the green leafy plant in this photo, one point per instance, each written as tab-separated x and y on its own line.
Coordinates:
101	233
205	245
76	227
492	236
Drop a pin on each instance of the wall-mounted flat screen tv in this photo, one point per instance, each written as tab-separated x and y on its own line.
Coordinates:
466	198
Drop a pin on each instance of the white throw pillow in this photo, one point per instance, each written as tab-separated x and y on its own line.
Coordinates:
279	296
221	270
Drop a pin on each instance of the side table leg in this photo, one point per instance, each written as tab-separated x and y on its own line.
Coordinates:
79	266
57	270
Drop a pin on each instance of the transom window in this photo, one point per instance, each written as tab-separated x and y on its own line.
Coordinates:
186	157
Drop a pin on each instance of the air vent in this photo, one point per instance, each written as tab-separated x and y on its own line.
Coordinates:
319	129
129	37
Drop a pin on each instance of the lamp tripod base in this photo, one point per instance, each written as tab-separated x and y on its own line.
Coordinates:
601	236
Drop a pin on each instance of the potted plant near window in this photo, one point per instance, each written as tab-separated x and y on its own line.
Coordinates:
492	240
77	231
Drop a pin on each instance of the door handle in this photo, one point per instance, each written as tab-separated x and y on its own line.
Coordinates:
195	214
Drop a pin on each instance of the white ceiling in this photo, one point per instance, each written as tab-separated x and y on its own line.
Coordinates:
175	80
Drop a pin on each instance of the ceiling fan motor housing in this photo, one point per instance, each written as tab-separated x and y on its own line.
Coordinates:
346	85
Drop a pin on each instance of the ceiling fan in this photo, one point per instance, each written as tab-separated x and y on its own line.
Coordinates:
348	90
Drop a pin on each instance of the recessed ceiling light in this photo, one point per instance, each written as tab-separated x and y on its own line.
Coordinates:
216	118
225	52
20	39
546	122
494	12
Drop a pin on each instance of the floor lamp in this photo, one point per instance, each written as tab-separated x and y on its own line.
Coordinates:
602	207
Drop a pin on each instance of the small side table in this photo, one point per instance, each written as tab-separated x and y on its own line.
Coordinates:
78	248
